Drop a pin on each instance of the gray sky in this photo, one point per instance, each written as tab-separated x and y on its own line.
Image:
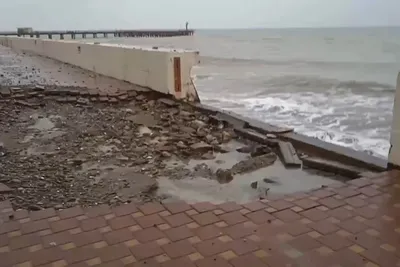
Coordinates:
108	14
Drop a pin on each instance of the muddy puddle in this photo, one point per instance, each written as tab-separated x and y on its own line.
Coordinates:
263	182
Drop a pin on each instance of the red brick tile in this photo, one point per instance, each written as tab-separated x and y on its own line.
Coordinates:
322	193
118	236
182	262
304	243
280	204
306	203
331	203
212	247
177	207
233	217
254	206
179	233
360	182
340	213
80	254
96	211
46	256
125	209
149	220
42	214
3	240
279	259
57	239
315	214
381	257
346	258
208	232
367	212
93	223
178	219
238	231
247	261
24	241
34	226
148	234
324	227
21	214
114	252
145	263
59	226
13	257
296	228
206	218
85	238
287	215
352	226
204	206
381	199
70	212
178	249
151	207
9	227
365	240
335	241
121	222
346	192
369	191
229	206
145	251
260	217
243	246
213	262
356	202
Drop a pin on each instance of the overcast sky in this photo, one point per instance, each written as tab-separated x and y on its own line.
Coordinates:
96	14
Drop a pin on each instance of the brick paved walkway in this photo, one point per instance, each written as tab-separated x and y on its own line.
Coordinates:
346	225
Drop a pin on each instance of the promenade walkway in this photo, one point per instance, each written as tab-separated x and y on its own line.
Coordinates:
346	225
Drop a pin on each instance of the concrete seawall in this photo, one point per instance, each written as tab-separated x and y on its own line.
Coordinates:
164	70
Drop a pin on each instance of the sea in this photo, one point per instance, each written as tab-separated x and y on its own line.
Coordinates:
334	84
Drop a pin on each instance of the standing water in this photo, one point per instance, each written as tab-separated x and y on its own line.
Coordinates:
333	84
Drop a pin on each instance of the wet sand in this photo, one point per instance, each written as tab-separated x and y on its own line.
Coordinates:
72	137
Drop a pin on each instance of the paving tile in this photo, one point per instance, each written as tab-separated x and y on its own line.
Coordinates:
314	214
86	238
42	214
366	212
246	261
57	239
356	202
369	191
80	254
177	207
287	215
232	218
24	241
352	226
360	182
114	252
178	219
229	206
335	241
208	232
260	217
9	227
145	251
118	236
149	220
93	223
324	227
99	210
34	226
212	247
206	218
125	209
70	212
346	192
151	208
178	249
280	204
331	202
121	222
204	206
322	193
62	225
304	243
182	262
148	234
243	246
46	256
254	206
238	230
297	228
380	256
213	262
306	203
341	213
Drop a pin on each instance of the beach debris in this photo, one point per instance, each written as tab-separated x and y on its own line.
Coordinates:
224	176
289	154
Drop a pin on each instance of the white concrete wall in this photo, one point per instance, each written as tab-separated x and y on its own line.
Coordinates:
394	153
148	67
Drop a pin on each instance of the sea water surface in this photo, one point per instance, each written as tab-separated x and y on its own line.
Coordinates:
333	84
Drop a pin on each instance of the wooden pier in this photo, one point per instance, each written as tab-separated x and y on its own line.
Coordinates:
100	33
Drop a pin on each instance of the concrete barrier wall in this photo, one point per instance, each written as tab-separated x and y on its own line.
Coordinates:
394	152
161	69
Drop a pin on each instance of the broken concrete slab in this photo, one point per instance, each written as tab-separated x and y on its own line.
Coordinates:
333	166
289	154
168	102
5	189
256	137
